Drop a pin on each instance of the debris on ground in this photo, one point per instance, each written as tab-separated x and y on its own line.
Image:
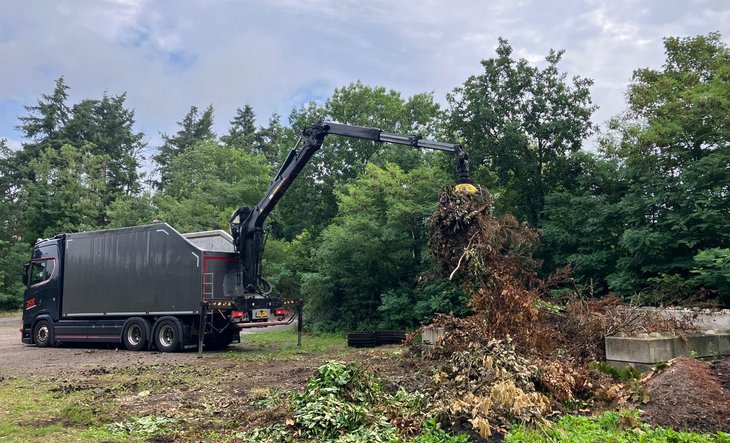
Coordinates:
687	395
550	344
492	258
349	402
488	385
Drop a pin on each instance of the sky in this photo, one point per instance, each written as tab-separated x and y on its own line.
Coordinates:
279	54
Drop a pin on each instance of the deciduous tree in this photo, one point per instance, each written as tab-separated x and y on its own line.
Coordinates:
520	122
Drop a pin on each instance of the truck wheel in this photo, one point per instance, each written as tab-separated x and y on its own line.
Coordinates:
42	334
167	337
134	335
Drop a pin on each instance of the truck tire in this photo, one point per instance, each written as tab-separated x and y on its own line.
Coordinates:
167	336
43	334
135	333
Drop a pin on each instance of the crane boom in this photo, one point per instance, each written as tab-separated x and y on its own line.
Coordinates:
247	223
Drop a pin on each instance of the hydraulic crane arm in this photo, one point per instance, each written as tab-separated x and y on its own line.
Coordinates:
247	223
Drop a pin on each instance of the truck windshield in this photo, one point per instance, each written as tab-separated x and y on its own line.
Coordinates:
41	271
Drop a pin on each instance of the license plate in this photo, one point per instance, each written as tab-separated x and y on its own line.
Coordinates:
262	314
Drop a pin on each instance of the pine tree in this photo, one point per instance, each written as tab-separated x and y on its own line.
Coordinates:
194	128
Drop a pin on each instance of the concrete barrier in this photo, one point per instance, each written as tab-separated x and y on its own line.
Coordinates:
649	349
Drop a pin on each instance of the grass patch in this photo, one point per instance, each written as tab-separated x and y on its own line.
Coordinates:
608	427
31	412
282	345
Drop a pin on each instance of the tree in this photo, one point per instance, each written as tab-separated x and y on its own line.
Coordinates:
47	117
42	127
106	127
272	141
242	132
207	182
519	123
582	223
66	195
14	251
375	245
311	203
675	144
194	128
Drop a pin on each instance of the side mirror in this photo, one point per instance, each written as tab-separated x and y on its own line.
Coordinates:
25	273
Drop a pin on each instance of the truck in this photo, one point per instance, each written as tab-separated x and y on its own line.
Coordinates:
152	287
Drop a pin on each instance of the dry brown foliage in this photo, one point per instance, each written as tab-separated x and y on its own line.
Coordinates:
492	257
489	386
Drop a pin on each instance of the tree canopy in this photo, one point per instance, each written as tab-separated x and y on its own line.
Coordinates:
521	123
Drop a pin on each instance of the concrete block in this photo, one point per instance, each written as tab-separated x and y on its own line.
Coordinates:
702	319
431	335
650	350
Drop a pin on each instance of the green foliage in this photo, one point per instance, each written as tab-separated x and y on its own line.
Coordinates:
242	131
282	345
338	399
105	128
146	425
13	255
194	128
407	306
677	165
270	141
378	242
519	122
132	210
608	427
346	402
625	374
582	224
207	182
311	202
713	271
635	218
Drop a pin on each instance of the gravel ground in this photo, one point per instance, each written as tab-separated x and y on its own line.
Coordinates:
17	358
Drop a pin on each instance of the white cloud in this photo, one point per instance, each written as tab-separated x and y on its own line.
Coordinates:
170	55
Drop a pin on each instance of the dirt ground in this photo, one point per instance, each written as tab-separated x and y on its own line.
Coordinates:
215	396
211	398
690	394
18	359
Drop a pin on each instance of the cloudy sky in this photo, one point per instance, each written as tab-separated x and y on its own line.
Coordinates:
277	54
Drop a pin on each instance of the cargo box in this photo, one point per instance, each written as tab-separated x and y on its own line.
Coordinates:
145	270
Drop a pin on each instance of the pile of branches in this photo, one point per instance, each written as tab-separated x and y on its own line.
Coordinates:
492	258
549	344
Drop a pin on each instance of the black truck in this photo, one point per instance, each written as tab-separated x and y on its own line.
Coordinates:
152	287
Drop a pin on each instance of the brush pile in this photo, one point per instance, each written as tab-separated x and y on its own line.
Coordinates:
547	346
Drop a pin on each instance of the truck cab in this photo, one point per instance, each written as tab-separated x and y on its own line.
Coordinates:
42	297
